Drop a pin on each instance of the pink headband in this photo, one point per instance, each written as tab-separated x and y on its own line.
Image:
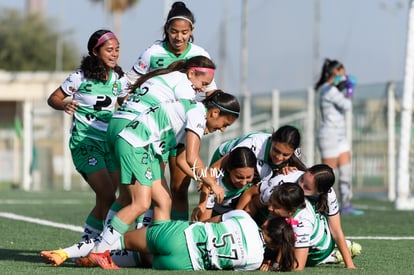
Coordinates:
204	70
105	37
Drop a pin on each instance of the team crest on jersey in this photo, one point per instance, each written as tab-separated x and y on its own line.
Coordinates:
148	173
92	161
115	88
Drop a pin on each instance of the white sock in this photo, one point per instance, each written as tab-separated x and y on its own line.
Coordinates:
108	238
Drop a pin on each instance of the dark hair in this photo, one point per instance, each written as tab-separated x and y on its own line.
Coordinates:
324	177
226	103
288	195
241	157
290	135
328	67
91	65
179	65
283	238
178	9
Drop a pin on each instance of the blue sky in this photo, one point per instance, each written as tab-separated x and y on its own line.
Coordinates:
368	36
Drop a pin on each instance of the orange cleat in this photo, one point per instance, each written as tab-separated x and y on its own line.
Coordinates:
84	262
54	257
103	259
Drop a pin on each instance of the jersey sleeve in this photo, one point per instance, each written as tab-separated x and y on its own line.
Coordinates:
303	229
195	121
339	99
72	83
184	90
333	206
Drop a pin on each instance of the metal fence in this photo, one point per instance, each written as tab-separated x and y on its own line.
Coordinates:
370	142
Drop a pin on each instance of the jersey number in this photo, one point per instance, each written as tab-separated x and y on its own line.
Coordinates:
221	242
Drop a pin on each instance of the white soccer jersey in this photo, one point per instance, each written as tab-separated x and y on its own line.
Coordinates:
266	189
166	87
235	243
259	143
158	56
164	126
312	229
97	100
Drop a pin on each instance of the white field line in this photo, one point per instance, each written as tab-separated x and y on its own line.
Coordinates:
40	221
80	229
36	202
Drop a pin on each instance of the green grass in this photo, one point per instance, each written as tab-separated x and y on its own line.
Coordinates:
20	241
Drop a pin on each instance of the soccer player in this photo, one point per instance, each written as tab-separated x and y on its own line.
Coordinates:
141	148
183	79
276	152
335	100
176	44
235	177
320	225
90	95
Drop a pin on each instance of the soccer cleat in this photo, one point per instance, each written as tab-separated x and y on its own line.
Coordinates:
84	262
103	259
349	210
354	248
54	257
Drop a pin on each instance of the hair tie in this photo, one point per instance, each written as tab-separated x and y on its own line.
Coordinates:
225	109
204	70
180	17
105	37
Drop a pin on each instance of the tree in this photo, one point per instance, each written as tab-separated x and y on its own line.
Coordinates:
28	43
117	7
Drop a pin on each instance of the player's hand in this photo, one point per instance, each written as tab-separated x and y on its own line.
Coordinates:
197	212
288	169
70	107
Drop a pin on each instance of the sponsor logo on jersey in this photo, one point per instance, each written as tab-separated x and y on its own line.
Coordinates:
142	65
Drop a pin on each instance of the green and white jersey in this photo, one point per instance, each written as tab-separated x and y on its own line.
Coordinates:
231	196
266	189
259	143
164	126
312	231
158	56
235	243
166	87
96	100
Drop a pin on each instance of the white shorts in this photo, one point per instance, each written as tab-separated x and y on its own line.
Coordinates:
332	145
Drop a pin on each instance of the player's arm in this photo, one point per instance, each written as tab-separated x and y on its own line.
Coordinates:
182	162
201	212
301	255
249	199
335	227
59	100
194	160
